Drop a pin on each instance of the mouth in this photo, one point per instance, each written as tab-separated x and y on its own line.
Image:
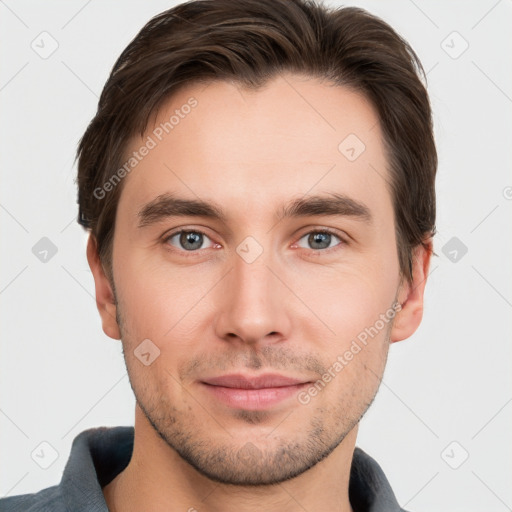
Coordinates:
253	393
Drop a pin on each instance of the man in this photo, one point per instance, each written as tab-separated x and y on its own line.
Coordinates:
258	182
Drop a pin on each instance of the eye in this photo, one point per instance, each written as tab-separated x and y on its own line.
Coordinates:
320	239
189	240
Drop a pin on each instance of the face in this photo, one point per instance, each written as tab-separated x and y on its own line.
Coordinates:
268	309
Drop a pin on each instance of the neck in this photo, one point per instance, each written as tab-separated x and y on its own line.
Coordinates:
158	479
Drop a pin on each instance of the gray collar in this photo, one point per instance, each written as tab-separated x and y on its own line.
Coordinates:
98	455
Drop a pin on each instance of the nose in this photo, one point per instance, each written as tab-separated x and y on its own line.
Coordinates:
252	307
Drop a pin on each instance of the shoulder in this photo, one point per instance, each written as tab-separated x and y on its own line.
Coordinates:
97	456
369	489
46	500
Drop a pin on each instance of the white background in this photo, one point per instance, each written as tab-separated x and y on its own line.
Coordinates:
59	374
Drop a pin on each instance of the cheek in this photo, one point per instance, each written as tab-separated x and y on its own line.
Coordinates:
162	302
350	300
358	311
354	349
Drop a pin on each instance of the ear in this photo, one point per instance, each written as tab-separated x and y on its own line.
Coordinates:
105	301
410	295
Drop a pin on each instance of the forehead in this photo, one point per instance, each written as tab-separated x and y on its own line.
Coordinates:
249	148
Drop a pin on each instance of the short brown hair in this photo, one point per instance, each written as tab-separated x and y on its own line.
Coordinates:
250	42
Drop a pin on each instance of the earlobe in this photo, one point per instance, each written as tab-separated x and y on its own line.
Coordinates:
410	296
105	300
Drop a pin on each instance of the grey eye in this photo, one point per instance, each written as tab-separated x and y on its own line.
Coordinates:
319	240
188	240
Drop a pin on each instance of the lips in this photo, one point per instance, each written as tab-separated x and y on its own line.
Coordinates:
238	381
253	393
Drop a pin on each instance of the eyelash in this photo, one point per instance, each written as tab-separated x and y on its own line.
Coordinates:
188	254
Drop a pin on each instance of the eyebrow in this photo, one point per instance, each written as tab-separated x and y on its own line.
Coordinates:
168	205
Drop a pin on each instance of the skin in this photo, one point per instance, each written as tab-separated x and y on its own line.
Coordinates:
292	311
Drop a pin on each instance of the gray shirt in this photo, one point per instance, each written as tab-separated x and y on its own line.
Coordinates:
98	455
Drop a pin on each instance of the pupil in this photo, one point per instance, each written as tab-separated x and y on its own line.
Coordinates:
190	239
321	238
